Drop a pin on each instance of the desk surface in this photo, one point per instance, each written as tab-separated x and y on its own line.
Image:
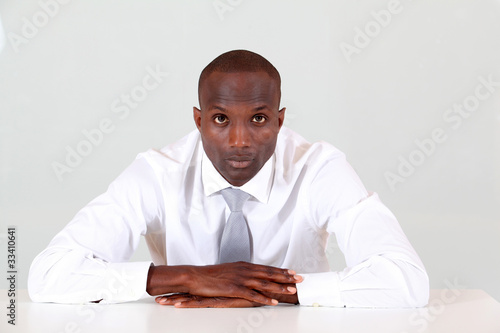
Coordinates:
448	311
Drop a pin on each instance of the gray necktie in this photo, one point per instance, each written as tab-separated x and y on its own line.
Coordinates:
235	243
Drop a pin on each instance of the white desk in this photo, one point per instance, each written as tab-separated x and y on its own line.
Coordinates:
471	311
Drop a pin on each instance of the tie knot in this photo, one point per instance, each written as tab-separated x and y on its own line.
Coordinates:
235	198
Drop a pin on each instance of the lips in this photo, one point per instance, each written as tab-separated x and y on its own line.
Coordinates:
239	162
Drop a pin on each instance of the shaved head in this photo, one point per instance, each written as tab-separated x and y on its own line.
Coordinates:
239	117
239	61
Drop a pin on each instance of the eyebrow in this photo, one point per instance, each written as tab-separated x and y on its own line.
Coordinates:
222	109
216	107
260	108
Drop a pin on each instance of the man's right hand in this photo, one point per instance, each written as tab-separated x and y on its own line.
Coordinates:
239	280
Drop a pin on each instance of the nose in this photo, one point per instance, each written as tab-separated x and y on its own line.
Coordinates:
239	136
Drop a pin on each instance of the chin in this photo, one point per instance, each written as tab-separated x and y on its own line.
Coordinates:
237	180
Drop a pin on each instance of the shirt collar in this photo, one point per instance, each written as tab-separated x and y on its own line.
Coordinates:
259	186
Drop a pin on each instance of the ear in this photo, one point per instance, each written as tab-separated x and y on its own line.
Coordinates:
281	117
197	117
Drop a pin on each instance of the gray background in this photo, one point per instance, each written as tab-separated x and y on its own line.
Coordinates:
64	76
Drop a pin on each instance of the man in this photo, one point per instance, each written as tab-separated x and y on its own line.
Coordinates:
292	195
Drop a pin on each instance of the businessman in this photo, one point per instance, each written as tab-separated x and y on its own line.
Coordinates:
235	214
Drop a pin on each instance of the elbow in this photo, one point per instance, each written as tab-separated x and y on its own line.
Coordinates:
417	287
421	292
44	277
410	285
36	282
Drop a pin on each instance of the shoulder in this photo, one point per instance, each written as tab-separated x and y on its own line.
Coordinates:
293	150
175	156
326	180
155	165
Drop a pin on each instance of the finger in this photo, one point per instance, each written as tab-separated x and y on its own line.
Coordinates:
235	290
279	275
263	268
266	286
252	296
216	302
242	280
172	299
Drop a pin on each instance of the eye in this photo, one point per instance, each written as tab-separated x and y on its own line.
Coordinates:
220	119
259	119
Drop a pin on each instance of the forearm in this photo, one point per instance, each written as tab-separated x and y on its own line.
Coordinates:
76	277
384	270
389	283
376	282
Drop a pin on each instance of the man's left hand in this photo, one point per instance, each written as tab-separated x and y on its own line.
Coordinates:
183	300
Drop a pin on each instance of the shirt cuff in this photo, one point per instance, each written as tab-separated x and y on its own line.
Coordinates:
125	282
319	289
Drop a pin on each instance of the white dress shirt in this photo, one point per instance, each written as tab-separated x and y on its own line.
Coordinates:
304	193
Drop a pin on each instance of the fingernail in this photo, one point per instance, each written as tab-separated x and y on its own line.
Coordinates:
178	304
275	302
297	277
291	289
291	272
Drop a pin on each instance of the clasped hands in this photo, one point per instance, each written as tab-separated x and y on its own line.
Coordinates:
239	284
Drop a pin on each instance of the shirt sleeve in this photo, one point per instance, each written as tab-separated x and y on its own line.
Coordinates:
383	269
88	260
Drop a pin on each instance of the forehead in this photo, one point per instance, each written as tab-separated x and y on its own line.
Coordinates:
257	87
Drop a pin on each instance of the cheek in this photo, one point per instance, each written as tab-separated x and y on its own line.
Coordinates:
267	140
212	144
270	134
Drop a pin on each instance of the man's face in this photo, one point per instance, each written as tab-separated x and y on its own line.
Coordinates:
239	122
